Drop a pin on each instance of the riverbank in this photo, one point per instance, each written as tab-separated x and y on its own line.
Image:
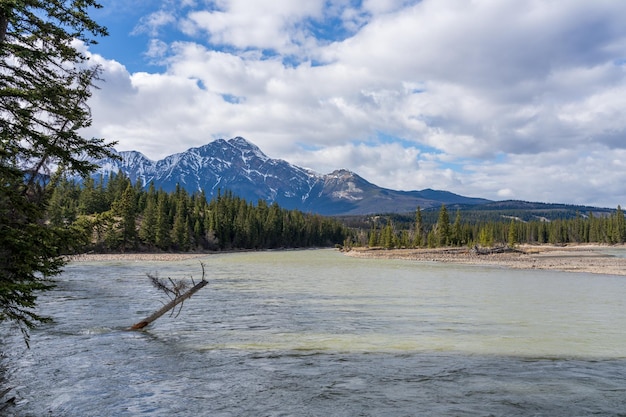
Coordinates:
134	257
160	256
574	258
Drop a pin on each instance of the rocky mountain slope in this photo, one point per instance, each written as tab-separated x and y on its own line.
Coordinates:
241	167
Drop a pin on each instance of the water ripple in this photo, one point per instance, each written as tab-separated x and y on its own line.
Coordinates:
312	333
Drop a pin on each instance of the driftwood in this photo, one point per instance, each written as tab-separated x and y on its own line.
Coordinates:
174	291
489	251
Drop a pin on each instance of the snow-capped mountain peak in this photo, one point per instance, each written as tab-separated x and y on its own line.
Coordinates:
241	167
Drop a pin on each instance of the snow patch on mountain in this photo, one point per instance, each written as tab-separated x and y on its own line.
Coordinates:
349	192
241	167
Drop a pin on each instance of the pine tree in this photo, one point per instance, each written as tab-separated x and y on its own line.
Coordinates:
180	229
432	239
126	209
44	87
513	235
619	226
373	238
89	201
419	228
404	241
387	236
148	228
457	237
485	236
197	232
162	237
443	227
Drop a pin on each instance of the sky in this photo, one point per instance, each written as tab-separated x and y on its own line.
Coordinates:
499	99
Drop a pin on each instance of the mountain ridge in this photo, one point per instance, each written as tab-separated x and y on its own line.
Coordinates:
241	167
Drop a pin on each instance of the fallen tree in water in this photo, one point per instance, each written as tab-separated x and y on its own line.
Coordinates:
177	293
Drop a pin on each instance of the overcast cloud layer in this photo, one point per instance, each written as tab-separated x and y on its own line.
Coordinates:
500	99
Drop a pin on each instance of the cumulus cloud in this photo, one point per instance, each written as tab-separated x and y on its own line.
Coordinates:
264	24
502	99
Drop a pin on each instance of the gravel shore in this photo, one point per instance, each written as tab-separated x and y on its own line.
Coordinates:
576	258
134	257
587	258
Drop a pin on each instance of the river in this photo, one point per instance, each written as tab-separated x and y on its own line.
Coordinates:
315	333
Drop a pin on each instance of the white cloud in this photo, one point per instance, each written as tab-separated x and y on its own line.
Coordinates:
265	24
376	7
157	49
153	23
491	99
589	174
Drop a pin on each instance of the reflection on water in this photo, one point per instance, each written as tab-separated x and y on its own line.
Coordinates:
310	333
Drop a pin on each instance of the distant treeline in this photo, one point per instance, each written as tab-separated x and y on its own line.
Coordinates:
113	214
583	228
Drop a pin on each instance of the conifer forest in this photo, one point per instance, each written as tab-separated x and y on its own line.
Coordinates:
444	231
115	215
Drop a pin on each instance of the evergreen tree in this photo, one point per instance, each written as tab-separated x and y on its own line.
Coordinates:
44	87
62	206
457	237
180	229
542	233
404	241
594	232
485	236
618	226
273	226
125	208
373	238
387	236
443	227
432	239
513	239
148	228
197	232
90	201
163	226
419	228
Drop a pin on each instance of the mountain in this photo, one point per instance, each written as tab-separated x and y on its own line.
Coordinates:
241	167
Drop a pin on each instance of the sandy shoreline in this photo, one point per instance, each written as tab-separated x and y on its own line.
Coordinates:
578	258
134	257
575	258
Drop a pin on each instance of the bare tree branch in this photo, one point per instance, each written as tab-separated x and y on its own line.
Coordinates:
175	293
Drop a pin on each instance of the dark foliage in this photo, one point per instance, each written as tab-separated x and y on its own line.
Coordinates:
432	228
120	216
45	82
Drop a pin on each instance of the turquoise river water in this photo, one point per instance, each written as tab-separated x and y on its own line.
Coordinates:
316	333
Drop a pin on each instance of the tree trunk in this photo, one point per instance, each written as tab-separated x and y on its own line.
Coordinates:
167	307
4	25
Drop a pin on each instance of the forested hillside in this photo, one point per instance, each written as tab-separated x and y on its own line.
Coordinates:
116	215
426	231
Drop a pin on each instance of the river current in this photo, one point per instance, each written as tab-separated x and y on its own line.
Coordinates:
315	333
